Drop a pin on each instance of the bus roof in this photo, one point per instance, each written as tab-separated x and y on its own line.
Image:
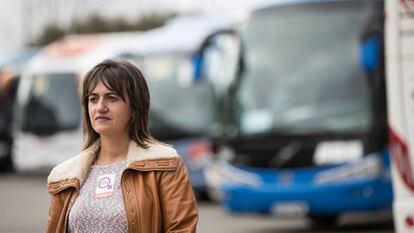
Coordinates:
181	34
78	53
266	5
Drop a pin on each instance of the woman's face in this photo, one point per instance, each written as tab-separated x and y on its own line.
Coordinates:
108	112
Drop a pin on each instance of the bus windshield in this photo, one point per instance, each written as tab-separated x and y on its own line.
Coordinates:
302	70
179	105
53	104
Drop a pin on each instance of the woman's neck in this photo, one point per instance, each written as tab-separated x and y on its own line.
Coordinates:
112	150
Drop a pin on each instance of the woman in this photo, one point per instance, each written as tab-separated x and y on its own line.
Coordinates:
123	180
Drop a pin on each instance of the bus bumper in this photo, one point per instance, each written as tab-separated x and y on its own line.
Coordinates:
304	191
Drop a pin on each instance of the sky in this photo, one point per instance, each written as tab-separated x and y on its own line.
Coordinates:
23	20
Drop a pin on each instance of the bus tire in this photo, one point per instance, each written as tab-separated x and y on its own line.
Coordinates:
6	163
324	221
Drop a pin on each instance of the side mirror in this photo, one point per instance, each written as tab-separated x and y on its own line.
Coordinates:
217	60
371	50
370	53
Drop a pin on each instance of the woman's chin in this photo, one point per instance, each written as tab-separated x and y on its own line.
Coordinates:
103	131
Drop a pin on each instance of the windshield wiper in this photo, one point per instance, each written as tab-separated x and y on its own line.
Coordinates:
286	154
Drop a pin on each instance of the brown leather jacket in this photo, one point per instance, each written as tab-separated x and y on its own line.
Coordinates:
166	205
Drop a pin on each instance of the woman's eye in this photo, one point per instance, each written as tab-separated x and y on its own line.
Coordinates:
112	98
92	99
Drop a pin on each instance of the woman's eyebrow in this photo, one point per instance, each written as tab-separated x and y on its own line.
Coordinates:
107	93
111	93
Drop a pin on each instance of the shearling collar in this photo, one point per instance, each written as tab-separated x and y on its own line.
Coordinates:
78	166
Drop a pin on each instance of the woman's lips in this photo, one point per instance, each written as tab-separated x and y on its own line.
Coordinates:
102	118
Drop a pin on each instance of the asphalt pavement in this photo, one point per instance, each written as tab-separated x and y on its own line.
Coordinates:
24	203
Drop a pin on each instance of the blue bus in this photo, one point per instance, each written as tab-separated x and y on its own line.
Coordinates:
301	123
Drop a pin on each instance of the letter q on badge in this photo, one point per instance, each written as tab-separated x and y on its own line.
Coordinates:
105	186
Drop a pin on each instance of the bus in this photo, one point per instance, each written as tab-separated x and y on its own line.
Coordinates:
47	125
400	71
301	123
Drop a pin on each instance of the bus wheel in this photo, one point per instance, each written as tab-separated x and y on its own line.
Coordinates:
324	221
6	163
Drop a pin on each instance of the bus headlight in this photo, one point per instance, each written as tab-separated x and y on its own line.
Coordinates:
225	173
365	168
219	172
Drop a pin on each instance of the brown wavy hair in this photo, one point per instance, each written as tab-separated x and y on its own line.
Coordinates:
127	81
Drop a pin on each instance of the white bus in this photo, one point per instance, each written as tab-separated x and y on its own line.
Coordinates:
400	93
47	128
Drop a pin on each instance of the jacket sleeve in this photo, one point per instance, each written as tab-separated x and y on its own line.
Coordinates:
55	211
178	205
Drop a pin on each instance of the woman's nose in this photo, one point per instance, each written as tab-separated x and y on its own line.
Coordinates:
102	106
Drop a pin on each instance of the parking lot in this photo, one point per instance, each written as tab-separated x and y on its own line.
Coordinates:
24	204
